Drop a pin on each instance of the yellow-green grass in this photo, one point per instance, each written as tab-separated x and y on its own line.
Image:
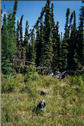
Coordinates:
64	101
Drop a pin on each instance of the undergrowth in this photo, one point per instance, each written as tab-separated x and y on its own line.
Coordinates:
64	100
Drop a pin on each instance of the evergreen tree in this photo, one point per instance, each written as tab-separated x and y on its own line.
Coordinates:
28	57
21	39
52	21
71	18
13	14
18	43
54	35
81	37
38	45
21	33
11	37
14	10
26	33
42	43
17	34
48	39
5	62
33	49
56	50
25	43
4	35
65	42
8	43
73	63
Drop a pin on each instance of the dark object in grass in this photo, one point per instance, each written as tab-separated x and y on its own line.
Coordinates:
40	107
42	92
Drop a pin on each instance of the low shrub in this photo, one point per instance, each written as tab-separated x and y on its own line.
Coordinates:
75	80
47	80
31	74
8	83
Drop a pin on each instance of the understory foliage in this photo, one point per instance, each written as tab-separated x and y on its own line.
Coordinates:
64	100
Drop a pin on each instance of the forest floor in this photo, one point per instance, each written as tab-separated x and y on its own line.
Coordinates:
64	101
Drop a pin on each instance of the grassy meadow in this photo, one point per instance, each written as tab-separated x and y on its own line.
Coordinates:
64	100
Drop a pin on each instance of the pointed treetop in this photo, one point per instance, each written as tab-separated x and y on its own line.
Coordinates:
71	17
15	8
68	12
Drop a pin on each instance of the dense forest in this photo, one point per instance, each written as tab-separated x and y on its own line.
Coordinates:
43	46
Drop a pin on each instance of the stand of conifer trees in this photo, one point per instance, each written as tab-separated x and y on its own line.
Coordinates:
43	45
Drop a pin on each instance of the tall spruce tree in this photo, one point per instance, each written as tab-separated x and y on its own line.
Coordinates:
25	43
38	45
14	13
33	49
26	33
56	50
5	64
17	34
53	30
73	62
48	39
11	37
42	42
21	32
18	43
21	39
52	22
65	42
81	37
28	55
8	43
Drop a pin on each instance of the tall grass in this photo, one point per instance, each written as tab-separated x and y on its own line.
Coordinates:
64	100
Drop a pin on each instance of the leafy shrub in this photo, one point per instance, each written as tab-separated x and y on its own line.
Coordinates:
31	68
75	80
22	69
8	83
31	73
19	80
47	80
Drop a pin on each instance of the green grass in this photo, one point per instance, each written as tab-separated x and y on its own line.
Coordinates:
64	101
